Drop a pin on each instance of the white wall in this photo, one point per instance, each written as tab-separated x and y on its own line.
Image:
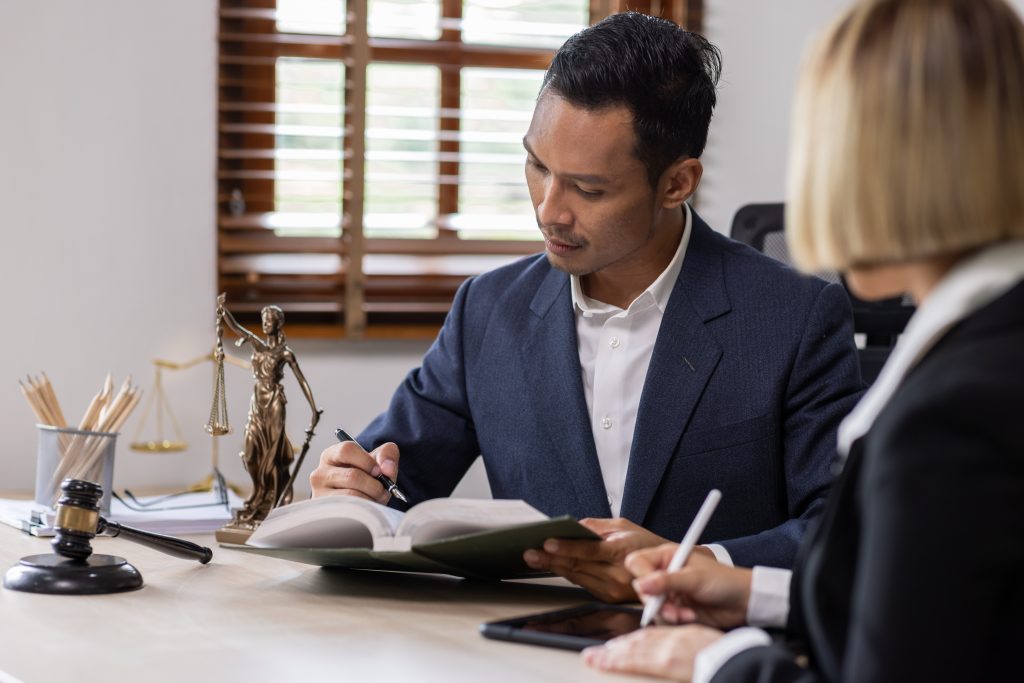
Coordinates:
762	44
107	166
107	163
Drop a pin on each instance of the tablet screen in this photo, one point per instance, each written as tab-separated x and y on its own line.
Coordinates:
573	629
596	623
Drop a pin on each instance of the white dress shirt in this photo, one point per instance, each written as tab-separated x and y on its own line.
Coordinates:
615	347
970	285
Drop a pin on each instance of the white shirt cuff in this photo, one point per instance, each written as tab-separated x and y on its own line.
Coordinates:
713	657
769	597
720	553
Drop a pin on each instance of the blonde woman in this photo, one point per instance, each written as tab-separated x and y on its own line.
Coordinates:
907	174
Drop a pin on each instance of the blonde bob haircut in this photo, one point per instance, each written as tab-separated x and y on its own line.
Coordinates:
908	134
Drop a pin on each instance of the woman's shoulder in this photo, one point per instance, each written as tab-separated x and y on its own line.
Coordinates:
983	351
969	387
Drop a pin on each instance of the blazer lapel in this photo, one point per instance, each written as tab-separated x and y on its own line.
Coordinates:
554	377
684	358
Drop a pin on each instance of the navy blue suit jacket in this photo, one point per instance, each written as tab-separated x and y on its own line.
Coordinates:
753	368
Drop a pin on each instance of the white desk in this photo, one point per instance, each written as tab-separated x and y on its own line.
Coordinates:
250	618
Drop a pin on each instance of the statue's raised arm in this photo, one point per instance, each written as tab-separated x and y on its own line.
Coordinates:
224	317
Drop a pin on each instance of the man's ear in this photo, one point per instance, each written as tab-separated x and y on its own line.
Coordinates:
680	181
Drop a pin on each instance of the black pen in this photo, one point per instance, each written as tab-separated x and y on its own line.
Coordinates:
391	486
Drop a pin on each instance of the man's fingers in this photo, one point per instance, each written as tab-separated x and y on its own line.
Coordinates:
350	454
356	481
593	551
602	526
605	581
386	455
345	468
354	493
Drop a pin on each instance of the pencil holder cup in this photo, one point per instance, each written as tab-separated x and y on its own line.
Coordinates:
76	454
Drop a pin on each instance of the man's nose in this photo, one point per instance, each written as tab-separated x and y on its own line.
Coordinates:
552	209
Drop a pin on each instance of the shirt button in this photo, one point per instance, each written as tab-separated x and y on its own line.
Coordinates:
614	342
606	422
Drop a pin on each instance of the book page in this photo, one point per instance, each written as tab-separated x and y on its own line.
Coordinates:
446	517
328	522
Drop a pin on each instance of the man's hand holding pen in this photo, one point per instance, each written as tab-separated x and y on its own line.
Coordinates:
346	469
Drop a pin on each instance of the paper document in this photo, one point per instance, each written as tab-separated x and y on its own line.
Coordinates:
188	513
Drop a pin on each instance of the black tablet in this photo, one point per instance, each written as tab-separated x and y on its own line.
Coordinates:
570	629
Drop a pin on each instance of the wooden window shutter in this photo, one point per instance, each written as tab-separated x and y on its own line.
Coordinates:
369	155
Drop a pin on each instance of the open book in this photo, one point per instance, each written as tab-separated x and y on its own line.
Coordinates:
464	537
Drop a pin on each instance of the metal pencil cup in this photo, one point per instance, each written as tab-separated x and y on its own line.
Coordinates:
76	454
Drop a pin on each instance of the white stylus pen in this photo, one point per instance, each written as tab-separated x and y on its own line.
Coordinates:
683	551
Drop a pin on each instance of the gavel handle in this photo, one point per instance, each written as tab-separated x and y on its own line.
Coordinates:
178	547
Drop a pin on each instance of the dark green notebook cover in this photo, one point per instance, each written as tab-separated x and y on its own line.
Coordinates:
493	554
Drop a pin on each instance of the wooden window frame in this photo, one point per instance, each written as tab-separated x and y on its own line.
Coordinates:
342	286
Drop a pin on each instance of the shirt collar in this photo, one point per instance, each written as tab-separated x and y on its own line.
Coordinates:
657	293
968	286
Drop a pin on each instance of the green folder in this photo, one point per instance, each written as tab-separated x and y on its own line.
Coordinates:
492	554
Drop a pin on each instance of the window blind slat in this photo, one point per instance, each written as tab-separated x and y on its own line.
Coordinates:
364	171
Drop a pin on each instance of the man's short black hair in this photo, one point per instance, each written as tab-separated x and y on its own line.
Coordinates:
664	74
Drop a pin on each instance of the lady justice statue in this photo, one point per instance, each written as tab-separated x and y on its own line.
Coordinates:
266	454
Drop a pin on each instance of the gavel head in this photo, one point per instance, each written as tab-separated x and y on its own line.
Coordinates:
78	516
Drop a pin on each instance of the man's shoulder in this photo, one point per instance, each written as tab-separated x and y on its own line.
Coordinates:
743	258
533	266
519	279
508	293
756	277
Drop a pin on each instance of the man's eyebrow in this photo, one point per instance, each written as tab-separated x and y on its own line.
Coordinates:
588	178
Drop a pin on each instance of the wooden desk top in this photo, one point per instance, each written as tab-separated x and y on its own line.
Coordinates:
250	619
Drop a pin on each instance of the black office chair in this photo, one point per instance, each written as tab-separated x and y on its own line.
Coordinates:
881	322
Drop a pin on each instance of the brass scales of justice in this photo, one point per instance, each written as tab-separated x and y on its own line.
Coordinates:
159	408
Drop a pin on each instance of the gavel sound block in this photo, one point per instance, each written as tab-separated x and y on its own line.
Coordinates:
73	569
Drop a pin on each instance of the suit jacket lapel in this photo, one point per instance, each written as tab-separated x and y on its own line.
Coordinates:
554	377
684	358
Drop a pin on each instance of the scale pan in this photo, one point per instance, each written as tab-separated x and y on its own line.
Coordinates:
159	446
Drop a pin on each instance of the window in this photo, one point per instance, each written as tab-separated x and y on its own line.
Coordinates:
370	154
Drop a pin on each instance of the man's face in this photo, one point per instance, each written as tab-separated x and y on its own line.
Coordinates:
590	192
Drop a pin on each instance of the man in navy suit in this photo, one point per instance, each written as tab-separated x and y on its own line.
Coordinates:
644	359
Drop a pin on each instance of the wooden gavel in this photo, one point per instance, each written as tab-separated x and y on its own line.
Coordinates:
74	569
78	521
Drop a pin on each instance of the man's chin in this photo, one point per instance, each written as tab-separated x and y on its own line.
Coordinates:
566	266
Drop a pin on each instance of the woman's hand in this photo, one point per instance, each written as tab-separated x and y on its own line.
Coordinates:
703	590
663	651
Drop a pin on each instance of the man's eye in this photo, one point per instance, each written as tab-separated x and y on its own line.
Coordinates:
590	194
